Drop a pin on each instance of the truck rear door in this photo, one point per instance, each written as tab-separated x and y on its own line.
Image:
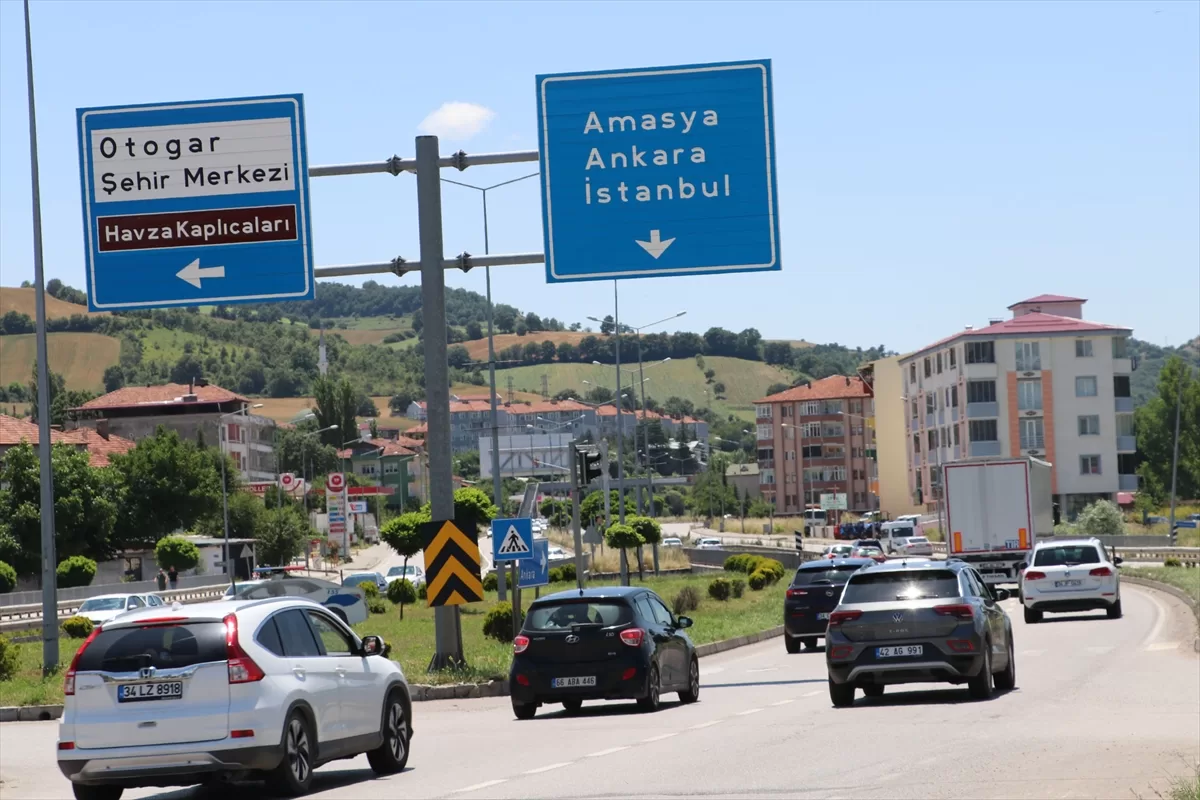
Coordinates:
987	507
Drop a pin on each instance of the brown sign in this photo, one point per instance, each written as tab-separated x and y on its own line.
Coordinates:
196	228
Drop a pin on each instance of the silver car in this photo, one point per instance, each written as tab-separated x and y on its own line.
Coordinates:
918	621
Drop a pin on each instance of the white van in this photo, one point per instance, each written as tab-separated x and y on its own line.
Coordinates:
894	533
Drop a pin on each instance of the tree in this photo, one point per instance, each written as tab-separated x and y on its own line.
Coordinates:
177	552
114	378
474	330
776	388
1101	518
75	571
245	513
336	404
458	357
186	369
548	351
608	327
778	354
403	534
168	484
1155	426
282	535
533	323
473	506
719	387
622	537
650	532
301	452
567	352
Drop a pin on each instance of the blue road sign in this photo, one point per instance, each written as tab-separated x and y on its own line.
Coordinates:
536	571
512	539
662	171
196	203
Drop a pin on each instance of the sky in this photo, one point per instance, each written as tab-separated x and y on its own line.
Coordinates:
936	162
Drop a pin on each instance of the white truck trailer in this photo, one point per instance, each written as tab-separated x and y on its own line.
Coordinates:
996	508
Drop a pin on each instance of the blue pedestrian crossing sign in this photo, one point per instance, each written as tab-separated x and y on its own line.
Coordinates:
661	171
536	571
512	539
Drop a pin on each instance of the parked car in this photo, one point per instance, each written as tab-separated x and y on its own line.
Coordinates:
873	553
602	643
672	541
346	603
555	553
366	577
415	574
914	546
708	544
918	622
104	607
838	551
814	592
228	689
869	543
1071	575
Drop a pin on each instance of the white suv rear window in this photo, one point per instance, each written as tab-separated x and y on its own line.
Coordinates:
159	646
1066	555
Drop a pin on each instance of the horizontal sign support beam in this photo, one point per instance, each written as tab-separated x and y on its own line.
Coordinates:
395	165
400	266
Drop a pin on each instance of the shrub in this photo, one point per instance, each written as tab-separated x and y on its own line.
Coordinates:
556	575
422	592
8	659
720	589
1172	562
687	600
739	563
490	582
772	567
376	604
370	589
739	588
568	571
759	580
498	623
402	592
77	627
1100	518
75	571
177	552
8	578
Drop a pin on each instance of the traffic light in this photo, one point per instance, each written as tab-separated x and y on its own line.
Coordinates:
589	467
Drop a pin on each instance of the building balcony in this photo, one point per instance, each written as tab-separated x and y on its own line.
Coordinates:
978	410
1122	366
1127	483
1126	444
1123	405
981	371
929	420
977	449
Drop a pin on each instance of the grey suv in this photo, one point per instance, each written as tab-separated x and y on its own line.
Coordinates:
918	621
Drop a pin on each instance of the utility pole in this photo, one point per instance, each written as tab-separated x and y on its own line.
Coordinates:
1184	371
576	501
620	425
46	472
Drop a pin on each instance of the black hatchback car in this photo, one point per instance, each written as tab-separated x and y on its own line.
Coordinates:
815	591
605	643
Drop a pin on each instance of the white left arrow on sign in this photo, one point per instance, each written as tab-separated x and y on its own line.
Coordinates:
193	272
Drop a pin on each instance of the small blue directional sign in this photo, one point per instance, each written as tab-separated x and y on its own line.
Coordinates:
662	171
512	539
536	571
196	203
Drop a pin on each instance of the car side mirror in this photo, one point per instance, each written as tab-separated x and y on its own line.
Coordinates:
683	622
1000	594
373	646
1118	561
1024	565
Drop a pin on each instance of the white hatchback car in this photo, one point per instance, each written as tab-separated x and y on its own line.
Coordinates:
708	544
348	603
230	689
414	574
104	607
1070	575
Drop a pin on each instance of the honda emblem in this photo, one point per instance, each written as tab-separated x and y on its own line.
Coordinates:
147	672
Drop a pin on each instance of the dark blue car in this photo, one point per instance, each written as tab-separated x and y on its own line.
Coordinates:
815	591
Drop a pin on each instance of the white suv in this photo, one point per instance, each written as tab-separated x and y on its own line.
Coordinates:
1070	575
230	689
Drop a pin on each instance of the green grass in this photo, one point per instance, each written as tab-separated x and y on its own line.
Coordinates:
164	344
1185	578
412	639
745	381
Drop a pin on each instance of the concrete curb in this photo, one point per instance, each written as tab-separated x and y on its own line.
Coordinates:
1166	588
420	692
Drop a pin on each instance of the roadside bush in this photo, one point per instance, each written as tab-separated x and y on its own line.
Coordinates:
687	600
1172	562
75	571
490	582
720	589
498	624
568	571
8	578
8	659
402	592
739	588
740	563
370	590
555	575
376	604
177	552
422	592
759	580
77	627
771	567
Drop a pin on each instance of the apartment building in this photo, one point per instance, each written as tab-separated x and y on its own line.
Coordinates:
887	385
470	418
1044	383
816	439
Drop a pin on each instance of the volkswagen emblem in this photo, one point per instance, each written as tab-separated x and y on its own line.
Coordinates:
572	639
898	616
147	672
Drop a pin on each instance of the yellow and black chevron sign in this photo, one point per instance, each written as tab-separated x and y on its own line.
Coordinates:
451	565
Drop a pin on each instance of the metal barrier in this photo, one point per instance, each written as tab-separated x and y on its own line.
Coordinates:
30	616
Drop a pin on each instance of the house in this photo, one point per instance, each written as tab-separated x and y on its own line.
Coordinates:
384	461
98	444
744	478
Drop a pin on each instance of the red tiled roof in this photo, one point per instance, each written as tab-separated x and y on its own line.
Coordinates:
13	431
390	448
99	448
835	387
165	394
1050	298
409	442
423	428
1035	323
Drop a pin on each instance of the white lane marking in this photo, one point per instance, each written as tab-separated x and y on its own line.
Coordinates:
1032	652
747	712
1163	646
607	752
702	725
811	694
1160	619
549	767
783	702
659	738
1100	649
479	786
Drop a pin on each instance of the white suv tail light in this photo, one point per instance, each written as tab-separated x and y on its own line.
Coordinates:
69	678
242	668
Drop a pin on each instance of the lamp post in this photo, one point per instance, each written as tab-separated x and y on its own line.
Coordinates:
221	439
493	413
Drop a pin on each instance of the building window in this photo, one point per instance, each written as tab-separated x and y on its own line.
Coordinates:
390	468
1085	386
931	403
916	442
912	373
1120	347
762	412
1121	386
789	455
856	406
933	439
981	391
1029	356
765	432
1083	348
1089	425
939	363
953	394
1029	395
1089	465
811	451
811	408
983	430
1125	425
955	429
1032	434
785	411
811	430
928	367
767	476
953	351
981	352
915	412
766	454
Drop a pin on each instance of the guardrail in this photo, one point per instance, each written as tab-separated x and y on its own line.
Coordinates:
30	616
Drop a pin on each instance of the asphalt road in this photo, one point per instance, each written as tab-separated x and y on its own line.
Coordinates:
1103	709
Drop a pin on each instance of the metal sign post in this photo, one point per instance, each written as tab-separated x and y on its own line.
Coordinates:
575	502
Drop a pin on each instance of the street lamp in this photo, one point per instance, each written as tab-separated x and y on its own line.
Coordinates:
221	440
